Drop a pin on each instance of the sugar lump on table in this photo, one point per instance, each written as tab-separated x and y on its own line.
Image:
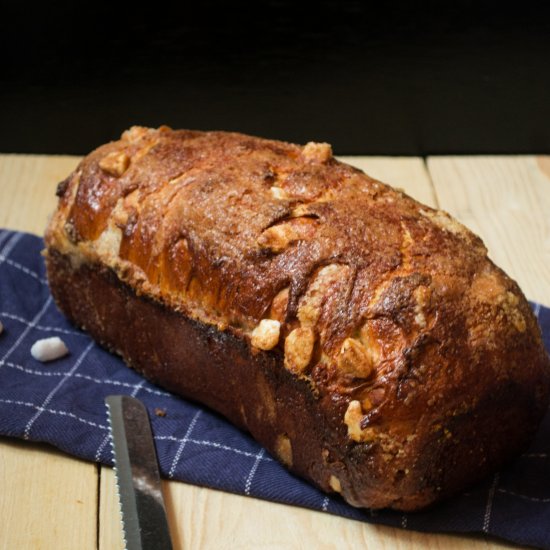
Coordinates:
49	349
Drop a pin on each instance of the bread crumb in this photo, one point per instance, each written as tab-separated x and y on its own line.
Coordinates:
353	359
317	152
49	349
278	237
312	302
278	193
335	484
279	305
266	335
108	243
115	163
298	349
445	221
420	319
509	304
283	448
160	412
135	133
352	419
371	344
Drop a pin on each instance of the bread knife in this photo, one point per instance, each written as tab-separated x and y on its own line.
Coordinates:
142	507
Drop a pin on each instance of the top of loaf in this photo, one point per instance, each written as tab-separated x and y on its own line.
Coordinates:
356	283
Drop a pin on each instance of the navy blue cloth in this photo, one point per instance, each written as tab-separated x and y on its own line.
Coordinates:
62	403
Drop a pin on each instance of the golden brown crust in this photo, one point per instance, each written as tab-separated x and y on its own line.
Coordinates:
411	344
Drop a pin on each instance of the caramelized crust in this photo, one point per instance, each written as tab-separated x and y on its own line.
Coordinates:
420	360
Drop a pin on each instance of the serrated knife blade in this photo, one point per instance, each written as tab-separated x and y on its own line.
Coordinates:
143	512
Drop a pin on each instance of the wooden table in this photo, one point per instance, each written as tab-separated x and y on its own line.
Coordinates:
50	500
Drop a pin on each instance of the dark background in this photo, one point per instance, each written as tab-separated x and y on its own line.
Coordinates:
394	78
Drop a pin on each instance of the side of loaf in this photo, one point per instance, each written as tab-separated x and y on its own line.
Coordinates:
364	339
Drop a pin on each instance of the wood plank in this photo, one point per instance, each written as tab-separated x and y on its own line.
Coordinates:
505	200
48	499
27	189
211	520
110	532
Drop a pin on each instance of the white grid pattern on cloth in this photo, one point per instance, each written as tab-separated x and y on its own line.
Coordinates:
13	317
4	235
252	473
6	251
9	246
525	497
489	505
55	390
214	444
184	441
22	268
86	377
30	326
101	446
53	411
200	442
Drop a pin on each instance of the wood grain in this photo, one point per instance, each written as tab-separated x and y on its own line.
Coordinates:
209	519
109	526
49	500
505	200
27	189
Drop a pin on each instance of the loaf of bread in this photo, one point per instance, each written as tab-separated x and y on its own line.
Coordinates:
364	339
